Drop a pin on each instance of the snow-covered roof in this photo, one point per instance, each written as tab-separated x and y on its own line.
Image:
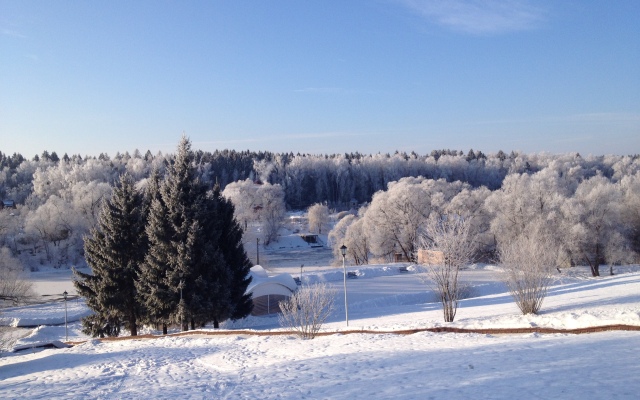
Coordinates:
262	284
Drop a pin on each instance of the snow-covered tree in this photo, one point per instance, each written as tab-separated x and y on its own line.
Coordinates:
592	218
349	232
357	243
318	217
393	219
449	236
528	261
15	289
244	196
630	213
524	202
52	222
258	202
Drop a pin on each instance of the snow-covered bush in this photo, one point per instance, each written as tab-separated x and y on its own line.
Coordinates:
528	262
307	309
450	241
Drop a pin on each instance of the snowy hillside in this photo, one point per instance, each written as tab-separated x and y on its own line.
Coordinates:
348	366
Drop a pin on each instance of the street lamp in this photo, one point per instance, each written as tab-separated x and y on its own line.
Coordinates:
181	285
66	334
343	251
257	251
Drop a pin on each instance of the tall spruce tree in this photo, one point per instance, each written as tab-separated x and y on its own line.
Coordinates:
159	277
236	258
114	250
187	237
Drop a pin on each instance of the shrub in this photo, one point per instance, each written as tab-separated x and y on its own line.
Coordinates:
307	309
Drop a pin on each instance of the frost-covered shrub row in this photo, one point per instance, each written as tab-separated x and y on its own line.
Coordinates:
587	202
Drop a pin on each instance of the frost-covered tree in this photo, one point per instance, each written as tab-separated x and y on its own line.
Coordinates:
528	261
86	199
393	219
524	202
449	236
318	217
470	204
272	210
258	202
630	213
357	243
15	289
349	232
244	196
52	222
114	250
592	218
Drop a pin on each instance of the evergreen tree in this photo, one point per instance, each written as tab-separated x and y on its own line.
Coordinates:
114	251
179	256
156	293
187	231
235	256
208	289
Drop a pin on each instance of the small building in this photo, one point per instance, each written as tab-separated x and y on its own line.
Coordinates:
269	291
310	238
8	204
430	257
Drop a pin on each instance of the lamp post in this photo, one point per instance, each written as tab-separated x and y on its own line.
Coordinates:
181	285
343	251
257	251
66	332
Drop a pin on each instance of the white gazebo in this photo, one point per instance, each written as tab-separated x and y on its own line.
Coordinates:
268	291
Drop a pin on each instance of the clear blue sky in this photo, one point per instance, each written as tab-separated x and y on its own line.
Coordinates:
320	76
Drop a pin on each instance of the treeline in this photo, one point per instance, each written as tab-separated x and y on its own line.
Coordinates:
306	179
58	198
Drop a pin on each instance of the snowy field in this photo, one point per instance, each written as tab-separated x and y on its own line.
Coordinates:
243	365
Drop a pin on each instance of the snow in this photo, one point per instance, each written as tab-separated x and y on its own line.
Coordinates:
258	362
51	313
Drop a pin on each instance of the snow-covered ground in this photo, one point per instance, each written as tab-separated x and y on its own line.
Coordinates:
351	366
423	365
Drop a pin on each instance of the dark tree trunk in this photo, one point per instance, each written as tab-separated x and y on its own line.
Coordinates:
216	324
133	324
164	329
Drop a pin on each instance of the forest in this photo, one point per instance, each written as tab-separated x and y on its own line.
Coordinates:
590	204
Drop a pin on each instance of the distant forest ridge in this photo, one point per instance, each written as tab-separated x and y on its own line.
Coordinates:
336	179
